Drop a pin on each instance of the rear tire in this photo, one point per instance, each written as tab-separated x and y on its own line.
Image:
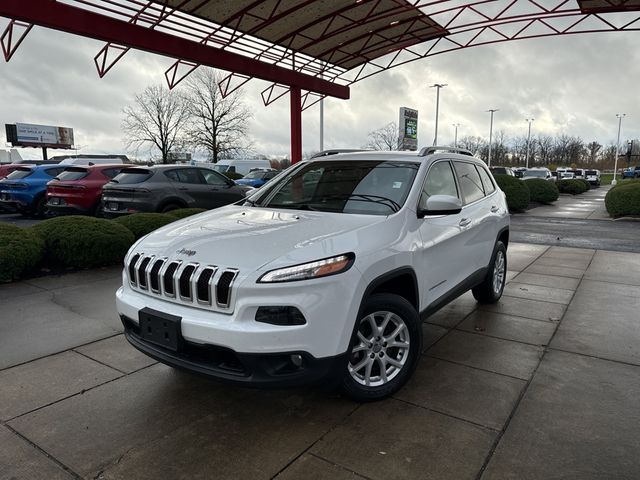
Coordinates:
491	288
384	349
40	209
169	207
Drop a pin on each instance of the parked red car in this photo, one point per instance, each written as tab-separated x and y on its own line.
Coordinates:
79	188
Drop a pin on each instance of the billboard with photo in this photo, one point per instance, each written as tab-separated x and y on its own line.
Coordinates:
31	135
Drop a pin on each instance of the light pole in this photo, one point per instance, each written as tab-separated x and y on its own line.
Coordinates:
528	141
619	116
455	141
492	111
437	86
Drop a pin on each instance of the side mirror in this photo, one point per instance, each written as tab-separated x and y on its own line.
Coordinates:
441	205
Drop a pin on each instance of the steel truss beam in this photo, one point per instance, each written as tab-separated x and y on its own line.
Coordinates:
59	16
9	43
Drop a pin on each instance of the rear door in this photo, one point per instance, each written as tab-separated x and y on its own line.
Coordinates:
480	213
192	188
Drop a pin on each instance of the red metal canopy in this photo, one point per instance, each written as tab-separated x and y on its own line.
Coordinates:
314	48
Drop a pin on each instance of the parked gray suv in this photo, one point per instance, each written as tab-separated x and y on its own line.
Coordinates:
163	188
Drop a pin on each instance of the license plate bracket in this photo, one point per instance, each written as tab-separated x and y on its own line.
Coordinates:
161	329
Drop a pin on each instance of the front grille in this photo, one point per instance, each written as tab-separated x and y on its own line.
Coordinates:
200	285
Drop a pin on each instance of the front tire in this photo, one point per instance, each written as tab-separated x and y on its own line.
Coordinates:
491	288
384	350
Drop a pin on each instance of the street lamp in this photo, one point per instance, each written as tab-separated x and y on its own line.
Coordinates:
528	141
492	111
438	86
619	116
455	141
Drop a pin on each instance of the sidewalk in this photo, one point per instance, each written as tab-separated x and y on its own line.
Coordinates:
588	205
544	384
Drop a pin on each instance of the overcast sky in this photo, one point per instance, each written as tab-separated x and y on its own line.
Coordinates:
573	85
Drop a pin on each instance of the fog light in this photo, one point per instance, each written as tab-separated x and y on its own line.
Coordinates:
296	360
280	316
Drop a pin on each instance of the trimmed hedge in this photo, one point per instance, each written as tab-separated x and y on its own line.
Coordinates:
572	186
140	224
586	183
516	191
185	212
20	250
623	200
542	191
84	242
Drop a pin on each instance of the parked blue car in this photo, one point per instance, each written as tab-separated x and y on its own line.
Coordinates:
257	178
25	189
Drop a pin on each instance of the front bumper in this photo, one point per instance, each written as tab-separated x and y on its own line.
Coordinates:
249	369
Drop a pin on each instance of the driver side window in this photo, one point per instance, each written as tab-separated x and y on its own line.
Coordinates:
440	181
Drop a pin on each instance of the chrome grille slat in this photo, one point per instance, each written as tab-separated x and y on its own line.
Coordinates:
155	274
169	279
141	270
188	271
208	285
199	285
224	287
132	269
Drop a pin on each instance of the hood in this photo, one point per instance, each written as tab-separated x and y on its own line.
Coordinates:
250	237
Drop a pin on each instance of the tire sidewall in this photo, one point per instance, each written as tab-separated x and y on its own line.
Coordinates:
401	307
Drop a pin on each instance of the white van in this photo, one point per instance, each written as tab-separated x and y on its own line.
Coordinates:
241	166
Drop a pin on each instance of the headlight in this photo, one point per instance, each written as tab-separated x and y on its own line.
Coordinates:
317	269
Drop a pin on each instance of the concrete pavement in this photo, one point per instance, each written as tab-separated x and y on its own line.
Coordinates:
544	384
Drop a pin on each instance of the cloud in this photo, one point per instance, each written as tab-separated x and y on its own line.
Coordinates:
572	84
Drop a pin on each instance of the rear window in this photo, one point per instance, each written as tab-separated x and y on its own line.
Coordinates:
73	173
111	172
132	175
19	173
591	172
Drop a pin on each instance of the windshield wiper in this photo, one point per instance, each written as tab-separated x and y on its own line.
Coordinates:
386	201
294	205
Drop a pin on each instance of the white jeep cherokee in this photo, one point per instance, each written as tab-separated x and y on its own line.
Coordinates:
325	272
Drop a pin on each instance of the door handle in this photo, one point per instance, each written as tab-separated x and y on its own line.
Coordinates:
465	222
494	209
183	188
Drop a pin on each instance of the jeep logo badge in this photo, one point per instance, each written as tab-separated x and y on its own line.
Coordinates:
189	253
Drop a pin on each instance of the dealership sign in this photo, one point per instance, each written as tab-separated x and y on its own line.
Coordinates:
408	134
29	135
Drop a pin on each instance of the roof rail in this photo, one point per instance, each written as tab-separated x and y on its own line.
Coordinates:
424	151
335	151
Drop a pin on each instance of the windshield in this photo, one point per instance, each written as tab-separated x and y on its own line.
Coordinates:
372	187
19	173
73	174
536	173
255	174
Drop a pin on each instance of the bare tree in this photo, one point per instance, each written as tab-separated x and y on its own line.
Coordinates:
592	152
218	124
473	144
157	117
544	147
385	138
